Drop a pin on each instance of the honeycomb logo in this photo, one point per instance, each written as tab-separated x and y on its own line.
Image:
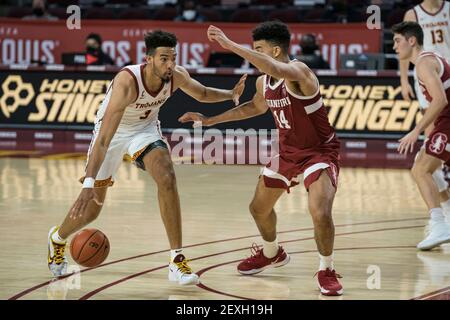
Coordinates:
16	93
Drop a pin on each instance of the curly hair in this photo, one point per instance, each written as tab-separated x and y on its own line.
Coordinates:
275	32
159	38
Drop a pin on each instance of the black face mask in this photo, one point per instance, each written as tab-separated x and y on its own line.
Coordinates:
92	50
38	12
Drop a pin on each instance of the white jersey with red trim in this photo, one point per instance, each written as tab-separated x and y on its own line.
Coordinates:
436	28
144	111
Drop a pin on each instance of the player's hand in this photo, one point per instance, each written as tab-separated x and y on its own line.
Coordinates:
80	205
407	142
216	34
198	119
407	91
238	89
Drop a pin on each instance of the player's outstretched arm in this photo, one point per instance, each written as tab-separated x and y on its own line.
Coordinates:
280	70
428	70
201	93
123	93
252	108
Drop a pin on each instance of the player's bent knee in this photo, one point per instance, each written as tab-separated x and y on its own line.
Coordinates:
166	179
321	216
320	210
256	210
419	170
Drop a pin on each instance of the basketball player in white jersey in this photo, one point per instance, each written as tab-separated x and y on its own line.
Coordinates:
434	18
127	123
433	73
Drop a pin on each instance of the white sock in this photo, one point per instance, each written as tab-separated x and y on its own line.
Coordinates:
57	238
437	214
326	262
175	252
270	249
446	207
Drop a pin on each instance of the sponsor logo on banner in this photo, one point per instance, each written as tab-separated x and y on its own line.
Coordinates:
54	100
16	94
369	108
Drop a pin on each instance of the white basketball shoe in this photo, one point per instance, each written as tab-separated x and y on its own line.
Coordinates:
180	272
437	233
57	260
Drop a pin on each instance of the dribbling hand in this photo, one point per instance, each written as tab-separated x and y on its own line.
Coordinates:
80	205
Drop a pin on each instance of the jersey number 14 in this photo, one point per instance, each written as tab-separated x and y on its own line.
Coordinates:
281	119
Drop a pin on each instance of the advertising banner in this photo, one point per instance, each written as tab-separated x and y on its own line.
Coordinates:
359	106
23	42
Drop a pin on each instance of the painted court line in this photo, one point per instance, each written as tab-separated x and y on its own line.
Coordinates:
100	289
38	286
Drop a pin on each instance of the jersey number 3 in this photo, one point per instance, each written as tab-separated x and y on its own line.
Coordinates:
146	114
281	119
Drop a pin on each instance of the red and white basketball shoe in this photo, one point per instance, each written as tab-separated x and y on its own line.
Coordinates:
257	262
328	283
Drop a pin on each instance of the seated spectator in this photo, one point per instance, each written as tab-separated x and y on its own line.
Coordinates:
40	12
189	13
94	53
310	54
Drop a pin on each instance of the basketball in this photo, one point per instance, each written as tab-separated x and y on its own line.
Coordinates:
89	247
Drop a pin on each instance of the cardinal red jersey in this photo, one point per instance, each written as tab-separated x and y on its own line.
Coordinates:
302	121
307	141
437	143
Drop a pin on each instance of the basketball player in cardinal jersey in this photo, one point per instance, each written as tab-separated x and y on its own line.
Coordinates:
434	18
127	123
308	145
433	74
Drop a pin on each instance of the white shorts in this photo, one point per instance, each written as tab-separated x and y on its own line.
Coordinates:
124	142
423	103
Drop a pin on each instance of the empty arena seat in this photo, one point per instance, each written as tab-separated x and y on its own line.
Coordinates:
165	13
315	14
62	3
19	12
99	13
60	13
210	14
134	14
284	15
247	15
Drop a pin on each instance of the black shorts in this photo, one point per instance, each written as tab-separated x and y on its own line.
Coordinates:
140	160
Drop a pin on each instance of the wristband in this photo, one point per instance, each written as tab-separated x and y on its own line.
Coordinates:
88	182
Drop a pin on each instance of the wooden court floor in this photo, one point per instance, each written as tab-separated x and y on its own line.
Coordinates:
378	213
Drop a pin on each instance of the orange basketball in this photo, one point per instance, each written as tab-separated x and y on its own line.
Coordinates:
89	247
